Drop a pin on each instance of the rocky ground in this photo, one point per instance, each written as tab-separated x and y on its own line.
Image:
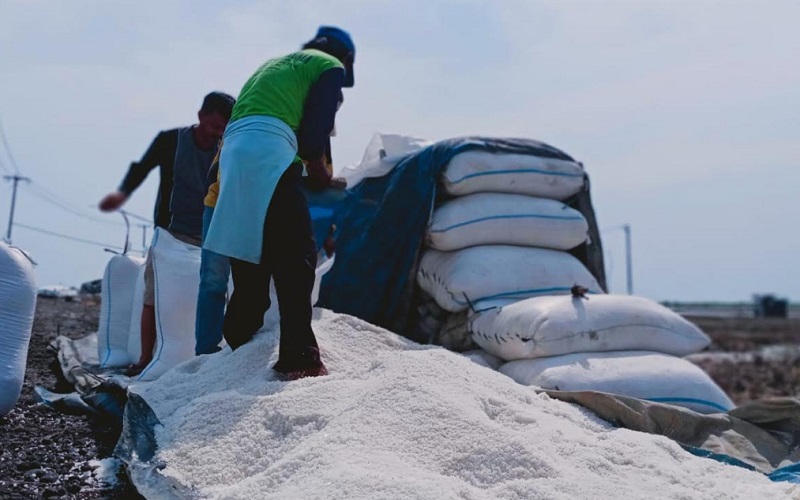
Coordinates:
45	454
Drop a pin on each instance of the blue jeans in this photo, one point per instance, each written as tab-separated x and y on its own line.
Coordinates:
214	272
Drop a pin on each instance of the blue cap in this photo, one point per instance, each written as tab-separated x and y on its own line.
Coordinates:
346	42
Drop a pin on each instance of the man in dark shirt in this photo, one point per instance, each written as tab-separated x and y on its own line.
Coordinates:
184	156
212	119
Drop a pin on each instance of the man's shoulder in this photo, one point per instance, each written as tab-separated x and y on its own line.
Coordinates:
173	132
169	138
318	57
166	142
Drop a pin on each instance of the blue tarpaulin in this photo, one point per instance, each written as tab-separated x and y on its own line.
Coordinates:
381	228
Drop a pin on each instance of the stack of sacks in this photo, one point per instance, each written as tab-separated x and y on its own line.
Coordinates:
623	345
504	234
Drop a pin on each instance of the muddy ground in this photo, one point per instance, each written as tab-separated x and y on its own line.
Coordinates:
44	454
752	358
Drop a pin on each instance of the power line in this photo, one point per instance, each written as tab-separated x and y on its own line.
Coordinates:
4	168
75	209
49	197
8	148
67	237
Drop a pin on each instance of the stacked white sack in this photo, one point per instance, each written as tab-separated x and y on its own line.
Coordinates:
456	279
610	343
504	235
484	172
505	219
639	374
17	305
552	326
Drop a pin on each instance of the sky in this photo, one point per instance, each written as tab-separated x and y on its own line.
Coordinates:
684	114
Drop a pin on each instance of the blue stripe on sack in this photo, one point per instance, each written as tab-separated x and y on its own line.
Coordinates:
701	402
517	292
517	171
495	217
108	321
158	317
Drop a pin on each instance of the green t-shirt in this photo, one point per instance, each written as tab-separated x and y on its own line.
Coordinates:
280	86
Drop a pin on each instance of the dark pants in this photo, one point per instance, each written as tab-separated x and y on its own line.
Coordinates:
289	257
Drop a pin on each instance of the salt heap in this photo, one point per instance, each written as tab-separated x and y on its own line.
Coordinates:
398	420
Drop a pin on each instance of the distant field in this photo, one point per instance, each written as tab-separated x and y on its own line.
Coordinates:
722	309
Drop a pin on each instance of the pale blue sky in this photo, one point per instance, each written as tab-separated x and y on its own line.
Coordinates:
684	113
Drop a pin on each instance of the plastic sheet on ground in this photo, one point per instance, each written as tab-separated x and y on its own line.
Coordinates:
764	434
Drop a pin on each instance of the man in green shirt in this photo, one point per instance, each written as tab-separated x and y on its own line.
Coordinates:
261	220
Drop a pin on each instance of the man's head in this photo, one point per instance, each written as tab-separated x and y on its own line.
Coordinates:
336	42
213	116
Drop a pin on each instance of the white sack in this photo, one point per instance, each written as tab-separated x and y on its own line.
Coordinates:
135	335
639	374
383	152
119	283
484	358
272	318
17	307
482	172
176	266
505	219
551	326
499	272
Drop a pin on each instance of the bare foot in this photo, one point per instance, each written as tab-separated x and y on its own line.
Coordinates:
316	371
136	368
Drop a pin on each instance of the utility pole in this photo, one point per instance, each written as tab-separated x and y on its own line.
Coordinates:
628	258
15	179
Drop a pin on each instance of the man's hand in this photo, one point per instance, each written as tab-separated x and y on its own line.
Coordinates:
329	245
318	176
339	183
113	201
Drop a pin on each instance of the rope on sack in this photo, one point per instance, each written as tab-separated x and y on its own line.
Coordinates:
124	215
23	252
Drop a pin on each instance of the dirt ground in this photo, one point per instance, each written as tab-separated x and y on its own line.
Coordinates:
765	360
44	454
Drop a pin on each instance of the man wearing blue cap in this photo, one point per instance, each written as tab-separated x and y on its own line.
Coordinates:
261	219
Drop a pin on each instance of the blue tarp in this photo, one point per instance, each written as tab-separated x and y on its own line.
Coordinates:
381	226
788	474
323	207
